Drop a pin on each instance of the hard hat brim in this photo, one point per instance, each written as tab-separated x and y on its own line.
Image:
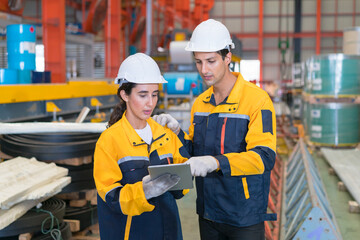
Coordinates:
160	80
199	49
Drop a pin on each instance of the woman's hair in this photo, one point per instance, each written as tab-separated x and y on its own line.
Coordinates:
120	107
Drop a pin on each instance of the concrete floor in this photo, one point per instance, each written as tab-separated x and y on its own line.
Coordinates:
188	216
349	223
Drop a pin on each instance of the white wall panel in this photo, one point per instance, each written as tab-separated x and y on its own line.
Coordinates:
272	7
308	6
327	23
347	21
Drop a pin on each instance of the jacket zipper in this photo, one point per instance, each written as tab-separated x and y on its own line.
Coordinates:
222	141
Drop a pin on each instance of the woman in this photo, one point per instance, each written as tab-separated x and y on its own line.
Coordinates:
130	204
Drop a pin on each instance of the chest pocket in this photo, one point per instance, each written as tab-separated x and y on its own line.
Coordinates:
133	170
199	123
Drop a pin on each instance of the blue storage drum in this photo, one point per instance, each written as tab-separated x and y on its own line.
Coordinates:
24	76
183	82
8	76
20	39
41	77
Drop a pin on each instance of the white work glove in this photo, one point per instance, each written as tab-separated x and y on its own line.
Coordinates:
201	166
166	119
157	186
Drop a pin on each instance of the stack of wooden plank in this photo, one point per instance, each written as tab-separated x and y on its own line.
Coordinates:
25	183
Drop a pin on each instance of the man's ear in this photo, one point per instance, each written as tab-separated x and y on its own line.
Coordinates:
124	96
228	58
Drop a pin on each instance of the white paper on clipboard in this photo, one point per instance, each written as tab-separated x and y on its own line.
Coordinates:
180	169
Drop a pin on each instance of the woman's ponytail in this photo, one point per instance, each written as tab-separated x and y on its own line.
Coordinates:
120	108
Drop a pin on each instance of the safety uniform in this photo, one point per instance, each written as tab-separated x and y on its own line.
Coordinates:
240	133
120	162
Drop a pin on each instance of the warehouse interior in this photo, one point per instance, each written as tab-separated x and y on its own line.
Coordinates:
58	62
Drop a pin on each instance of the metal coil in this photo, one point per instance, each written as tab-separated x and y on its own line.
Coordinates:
49	147
81	178
32	220
86	215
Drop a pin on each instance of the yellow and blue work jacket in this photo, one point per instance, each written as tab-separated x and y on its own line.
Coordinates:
120	162
240	133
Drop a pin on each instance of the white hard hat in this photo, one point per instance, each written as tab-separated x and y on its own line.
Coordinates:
139	68
210	36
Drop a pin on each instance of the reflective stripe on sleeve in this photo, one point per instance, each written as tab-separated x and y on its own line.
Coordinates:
130	158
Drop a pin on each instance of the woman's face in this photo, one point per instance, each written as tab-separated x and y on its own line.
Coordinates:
140	103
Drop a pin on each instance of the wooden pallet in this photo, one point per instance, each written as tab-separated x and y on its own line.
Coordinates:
320	99
5	156
74	161
354	207
90	233
316	146
80	199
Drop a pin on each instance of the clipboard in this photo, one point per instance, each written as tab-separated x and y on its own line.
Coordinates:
180	169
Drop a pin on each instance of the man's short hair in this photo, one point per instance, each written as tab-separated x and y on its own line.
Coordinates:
223	52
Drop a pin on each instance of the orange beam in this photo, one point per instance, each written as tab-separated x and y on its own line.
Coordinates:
73	4
183	8
261	38
318	26
143	36
114	39
199	13
354	12
53	21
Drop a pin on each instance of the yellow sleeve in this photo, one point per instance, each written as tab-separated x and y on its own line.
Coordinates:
181	155
133	201
129	199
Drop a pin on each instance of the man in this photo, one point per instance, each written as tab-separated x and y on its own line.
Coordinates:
232	140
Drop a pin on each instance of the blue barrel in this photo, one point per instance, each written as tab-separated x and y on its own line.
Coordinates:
41	77
20	40
183	83
24	76
8	76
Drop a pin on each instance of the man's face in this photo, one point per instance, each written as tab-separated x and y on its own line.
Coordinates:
211	67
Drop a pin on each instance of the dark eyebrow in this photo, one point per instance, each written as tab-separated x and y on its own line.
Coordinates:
148	91
207	59
143	91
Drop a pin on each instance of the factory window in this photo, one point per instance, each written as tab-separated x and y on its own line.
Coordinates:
39	58
250	70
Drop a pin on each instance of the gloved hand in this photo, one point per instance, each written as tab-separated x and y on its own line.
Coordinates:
166	119
156	187
201	166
